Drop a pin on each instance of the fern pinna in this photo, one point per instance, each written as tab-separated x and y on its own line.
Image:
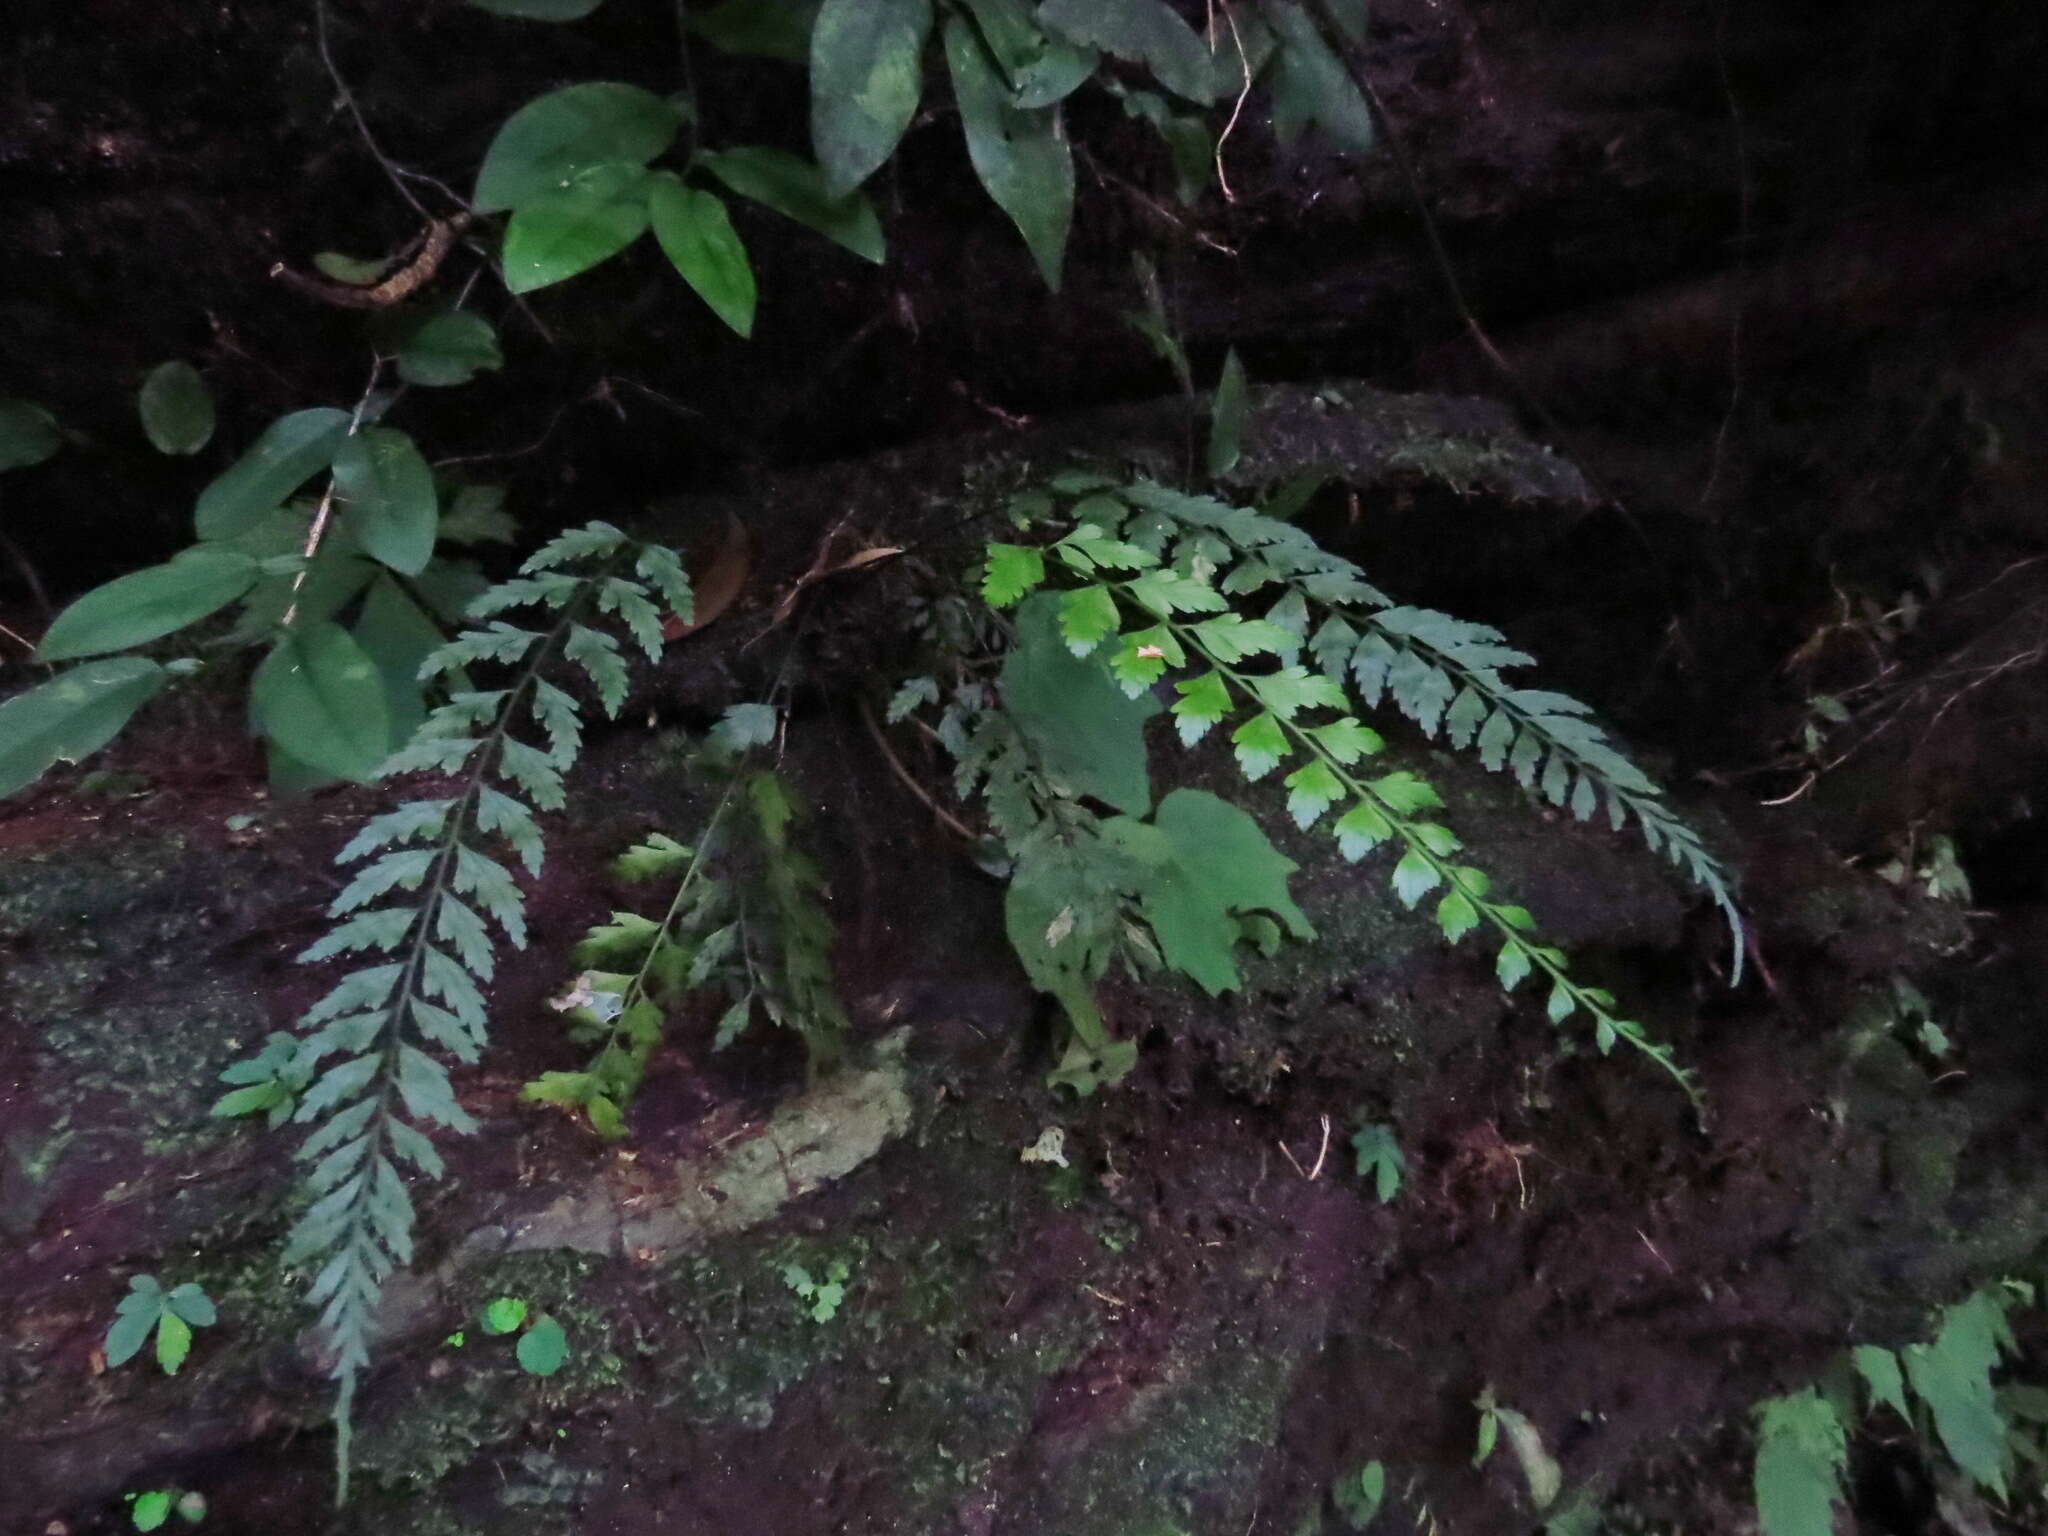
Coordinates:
424	897
1144	582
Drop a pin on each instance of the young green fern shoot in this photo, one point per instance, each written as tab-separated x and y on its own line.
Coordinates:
421	904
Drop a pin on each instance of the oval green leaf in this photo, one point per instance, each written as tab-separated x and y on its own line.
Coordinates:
389	494
548	143
543	1347
318	697
173	1342
795	188
28	434
1144	31
448	349
866	77
554	237
504	1314
1040	69
132	1325
71	716
149	603
192	1304
1021	157
177	408
291	451
697	236
151	1509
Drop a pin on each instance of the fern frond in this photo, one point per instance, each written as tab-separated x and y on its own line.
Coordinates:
375	1092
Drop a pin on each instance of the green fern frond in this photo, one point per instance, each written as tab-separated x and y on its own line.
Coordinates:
374	1090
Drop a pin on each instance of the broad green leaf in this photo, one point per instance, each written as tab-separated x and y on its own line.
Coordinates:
1022	157
192	1304
1038	69
1456	916
1801	1449
866	76
795	188
543	1347
134	1319
1293	689
1310	84
173	1342
449	348
291	451
697	236
71	716
388	492
550	143
28	434
1311	790
1361	829
1879	1368
1230	638
1414	877
1087	615
1227	417
1167	592
150	1510
1011	571
147	604
539	10
1952	1376
768	29
506	1313
1088	735
318	695
177	408
554	236
1217	864
1143	31
396	635
1346	740
1513	965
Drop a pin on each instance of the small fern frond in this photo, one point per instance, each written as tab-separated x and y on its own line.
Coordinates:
375	1091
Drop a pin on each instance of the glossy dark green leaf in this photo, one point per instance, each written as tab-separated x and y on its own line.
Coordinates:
559	234
795	188
768	29
1143	31
396	635
28	434
387	492
291	451
539	10
1037	68
1022	157
1087	733
551	142
448	349
319	697
177	408
71	716
697	236
866	76
147	604
1227	417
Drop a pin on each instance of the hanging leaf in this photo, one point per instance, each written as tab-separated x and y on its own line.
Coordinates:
291	451
147	604
1800	1453
1227	417
1089	735
697	236
549	143
539	10
866	74
767	29
795	188
447	349
1142	31
1310	84
177	408
389	494
71	716
559	234
1022	157
1038	69
319	697
28	434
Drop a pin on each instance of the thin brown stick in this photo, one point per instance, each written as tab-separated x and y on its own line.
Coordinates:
905	777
